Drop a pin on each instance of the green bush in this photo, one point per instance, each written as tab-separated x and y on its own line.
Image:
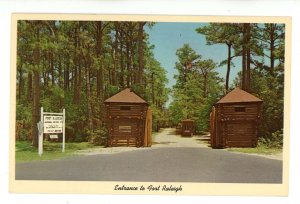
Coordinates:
23	134
78	137
98	136
274	141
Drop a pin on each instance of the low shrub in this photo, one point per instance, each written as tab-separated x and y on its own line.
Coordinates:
98	136
274	141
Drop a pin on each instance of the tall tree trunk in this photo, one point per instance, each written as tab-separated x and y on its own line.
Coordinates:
67	75
78	77
248	74
228	66
20	80
244	58
100	84
205	85
140	52
47	79
115	57
88	94
75	81
122	83
99	28
29	87
272	48
76	67
134	72
79	82
60	83
52	67
36	93
128	64
35	107
152	87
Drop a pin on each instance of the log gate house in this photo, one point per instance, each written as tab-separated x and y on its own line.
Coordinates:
234	120
129	120
188	127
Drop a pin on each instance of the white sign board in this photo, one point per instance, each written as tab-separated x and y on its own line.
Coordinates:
53	124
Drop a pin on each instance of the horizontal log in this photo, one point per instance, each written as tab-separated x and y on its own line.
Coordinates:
249	144
126	114
240	139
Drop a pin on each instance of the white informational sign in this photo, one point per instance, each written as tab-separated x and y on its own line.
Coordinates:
53	124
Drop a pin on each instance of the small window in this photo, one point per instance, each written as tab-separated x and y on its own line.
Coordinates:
125	128
125	107
240	109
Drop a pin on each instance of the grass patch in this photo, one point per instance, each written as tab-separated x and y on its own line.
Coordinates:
201	133
51	150
260	149
154	133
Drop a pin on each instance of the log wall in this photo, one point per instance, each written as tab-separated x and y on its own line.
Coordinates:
234	125
126	124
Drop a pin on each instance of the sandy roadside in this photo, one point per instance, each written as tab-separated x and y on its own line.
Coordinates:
166	138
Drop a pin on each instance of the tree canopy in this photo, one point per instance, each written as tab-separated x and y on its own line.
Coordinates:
76	65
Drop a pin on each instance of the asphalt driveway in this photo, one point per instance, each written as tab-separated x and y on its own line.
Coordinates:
158	164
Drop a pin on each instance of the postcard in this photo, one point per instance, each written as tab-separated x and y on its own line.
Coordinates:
146	104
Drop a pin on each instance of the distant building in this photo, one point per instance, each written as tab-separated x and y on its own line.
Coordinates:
188	127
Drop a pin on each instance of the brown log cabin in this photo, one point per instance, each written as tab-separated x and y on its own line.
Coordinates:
188	128
128	120
234	120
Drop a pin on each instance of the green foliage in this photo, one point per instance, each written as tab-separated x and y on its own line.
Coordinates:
196	89
220	33
23	112
76	119
52	150
23	124
267	80
274	141
98	136
23	134
79	64
54	99
156	92
111	90
270	90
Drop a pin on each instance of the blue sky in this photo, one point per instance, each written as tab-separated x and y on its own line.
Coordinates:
168	37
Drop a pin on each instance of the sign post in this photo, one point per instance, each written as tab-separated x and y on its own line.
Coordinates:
64	121
40	132
51	123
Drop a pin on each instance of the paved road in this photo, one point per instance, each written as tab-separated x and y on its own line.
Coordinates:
158	164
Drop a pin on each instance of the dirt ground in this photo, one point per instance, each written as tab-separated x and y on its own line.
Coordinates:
167	138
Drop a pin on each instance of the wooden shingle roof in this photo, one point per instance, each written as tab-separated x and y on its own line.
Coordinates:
125	96
238	95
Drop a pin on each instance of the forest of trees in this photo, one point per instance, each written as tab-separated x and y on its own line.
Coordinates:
197	87
76	65
261	50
